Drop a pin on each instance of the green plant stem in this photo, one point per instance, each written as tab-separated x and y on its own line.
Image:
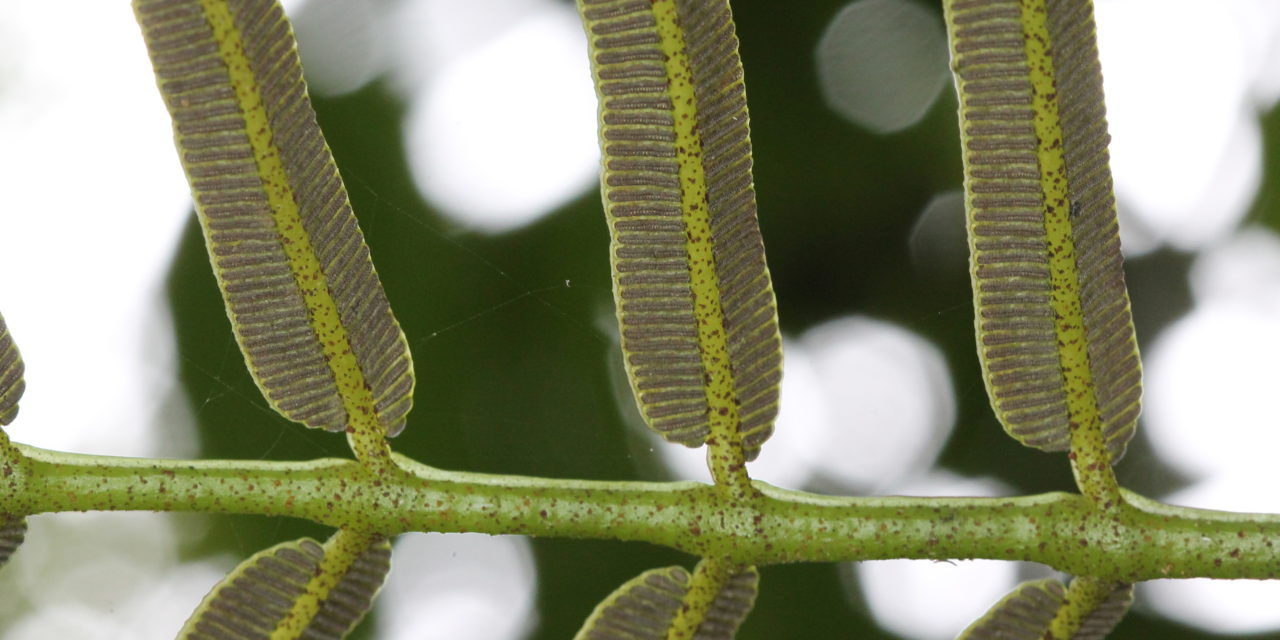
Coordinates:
1139	540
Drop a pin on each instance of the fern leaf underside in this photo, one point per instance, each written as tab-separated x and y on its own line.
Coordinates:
647	606
290	591
304	301
1055	333
13	531
1047	610
694	301
12	383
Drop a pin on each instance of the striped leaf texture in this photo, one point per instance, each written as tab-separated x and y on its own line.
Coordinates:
1100	619
1055	335
294	590
307	307
730	607
12	532
352	597
641	609
1024	614
11	381
1046	610
646	607
695	305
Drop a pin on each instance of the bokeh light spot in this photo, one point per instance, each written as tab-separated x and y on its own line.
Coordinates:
462	586
882	63
340	43
1224	606
506	133
1210	376
1186	63
127	583
888	397
938	245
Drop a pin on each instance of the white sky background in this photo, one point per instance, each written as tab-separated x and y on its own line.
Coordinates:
95	199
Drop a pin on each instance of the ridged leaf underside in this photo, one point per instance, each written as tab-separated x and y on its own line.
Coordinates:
11	381
645	607
641	609
251	601
12	532
1054	328
1024	614
260	595
352	598
1047	610
694	300
730	607
1109	334
304	300
1104	616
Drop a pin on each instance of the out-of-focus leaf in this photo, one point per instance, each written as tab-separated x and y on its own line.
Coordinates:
11	382
12	532
1055	334
694	301
295	590
307	307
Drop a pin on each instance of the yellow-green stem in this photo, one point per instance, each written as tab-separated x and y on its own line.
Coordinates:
1138	540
